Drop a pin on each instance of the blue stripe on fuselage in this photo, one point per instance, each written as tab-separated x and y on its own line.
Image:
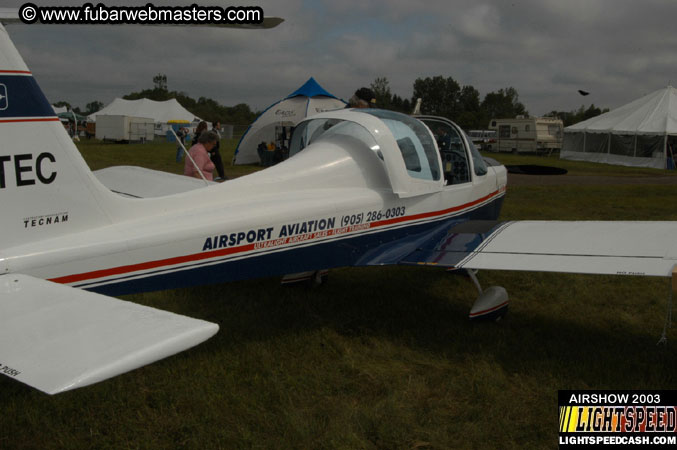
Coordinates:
372	248
20	96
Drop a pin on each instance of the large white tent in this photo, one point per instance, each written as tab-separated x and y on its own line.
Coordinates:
161	112
641	133
275	123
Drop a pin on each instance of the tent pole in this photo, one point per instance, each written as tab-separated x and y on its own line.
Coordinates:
665	151
585	134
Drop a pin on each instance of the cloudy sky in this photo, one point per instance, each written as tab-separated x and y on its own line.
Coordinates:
618	50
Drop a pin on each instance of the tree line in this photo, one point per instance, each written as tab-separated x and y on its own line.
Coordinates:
207	108
440	96
579	115
204	107
445	97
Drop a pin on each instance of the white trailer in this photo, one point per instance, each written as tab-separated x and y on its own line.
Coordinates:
527	134
124	128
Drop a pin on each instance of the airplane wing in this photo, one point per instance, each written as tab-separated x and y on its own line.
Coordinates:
56	338
595	247
139	182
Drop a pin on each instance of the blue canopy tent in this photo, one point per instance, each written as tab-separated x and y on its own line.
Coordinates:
275	123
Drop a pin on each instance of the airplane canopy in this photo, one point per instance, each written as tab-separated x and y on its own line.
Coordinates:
404	145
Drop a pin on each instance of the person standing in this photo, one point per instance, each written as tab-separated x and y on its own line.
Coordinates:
199	157
363	98
201	128
181	135
215	155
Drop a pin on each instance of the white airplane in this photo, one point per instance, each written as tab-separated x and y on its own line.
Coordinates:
363	187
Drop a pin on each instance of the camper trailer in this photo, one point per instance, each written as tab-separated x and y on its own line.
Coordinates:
527	134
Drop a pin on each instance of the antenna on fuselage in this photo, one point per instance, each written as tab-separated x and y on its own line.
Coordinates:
417	108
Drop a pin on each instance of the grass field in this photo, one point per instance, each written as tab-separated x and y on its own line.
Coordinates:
378	357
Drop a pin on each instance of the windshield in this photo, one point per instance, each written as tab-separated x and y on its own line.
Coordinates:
477	160
414	141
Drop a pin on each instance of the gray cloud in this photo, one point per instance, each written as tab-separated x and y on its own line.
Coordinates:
547	49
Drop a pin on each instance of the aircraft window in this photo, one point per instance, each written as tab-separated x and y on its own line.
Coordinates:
414	142
454	157
408	150
314	130
480	167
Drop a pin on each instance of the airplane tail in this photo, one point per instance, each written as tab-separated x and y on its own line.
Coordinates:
46	188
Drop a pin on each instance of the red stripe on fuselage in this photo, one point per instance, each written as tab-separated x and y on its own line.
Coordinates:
433	213
44	119
243	248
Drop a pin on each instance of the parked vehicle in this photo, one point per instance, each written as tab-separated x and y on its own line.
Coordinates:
527	134
483	139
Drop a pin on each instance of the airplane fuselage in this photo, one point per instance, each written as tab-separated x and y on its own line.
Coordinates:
331	205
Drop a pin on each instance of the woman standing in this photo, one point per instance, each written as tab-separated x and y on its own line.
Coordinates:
200	157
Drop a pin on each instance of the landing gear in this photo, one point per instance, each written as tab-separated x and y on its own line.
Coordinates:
316	277
491	304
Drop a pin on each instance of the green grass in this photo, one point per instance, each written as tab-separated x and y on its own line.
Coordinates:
157	155
577	167
379	357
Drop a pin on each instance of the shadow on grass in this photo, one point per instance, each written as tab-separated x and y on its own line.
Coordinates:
427	310
377	358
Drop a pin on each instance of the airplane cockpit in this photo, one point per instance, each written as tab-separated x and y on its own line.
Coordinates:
452	143
411	148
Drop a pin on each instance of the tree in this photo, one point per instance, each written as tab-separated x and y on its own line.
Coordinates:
93	107
470	114
207	108
160	81
470	99
440	96
401	105
381	88
572	117
503	104
593	111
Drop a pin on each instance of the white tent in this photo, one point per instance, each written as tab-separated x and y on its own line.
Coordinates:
641	133
161	112
275	123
